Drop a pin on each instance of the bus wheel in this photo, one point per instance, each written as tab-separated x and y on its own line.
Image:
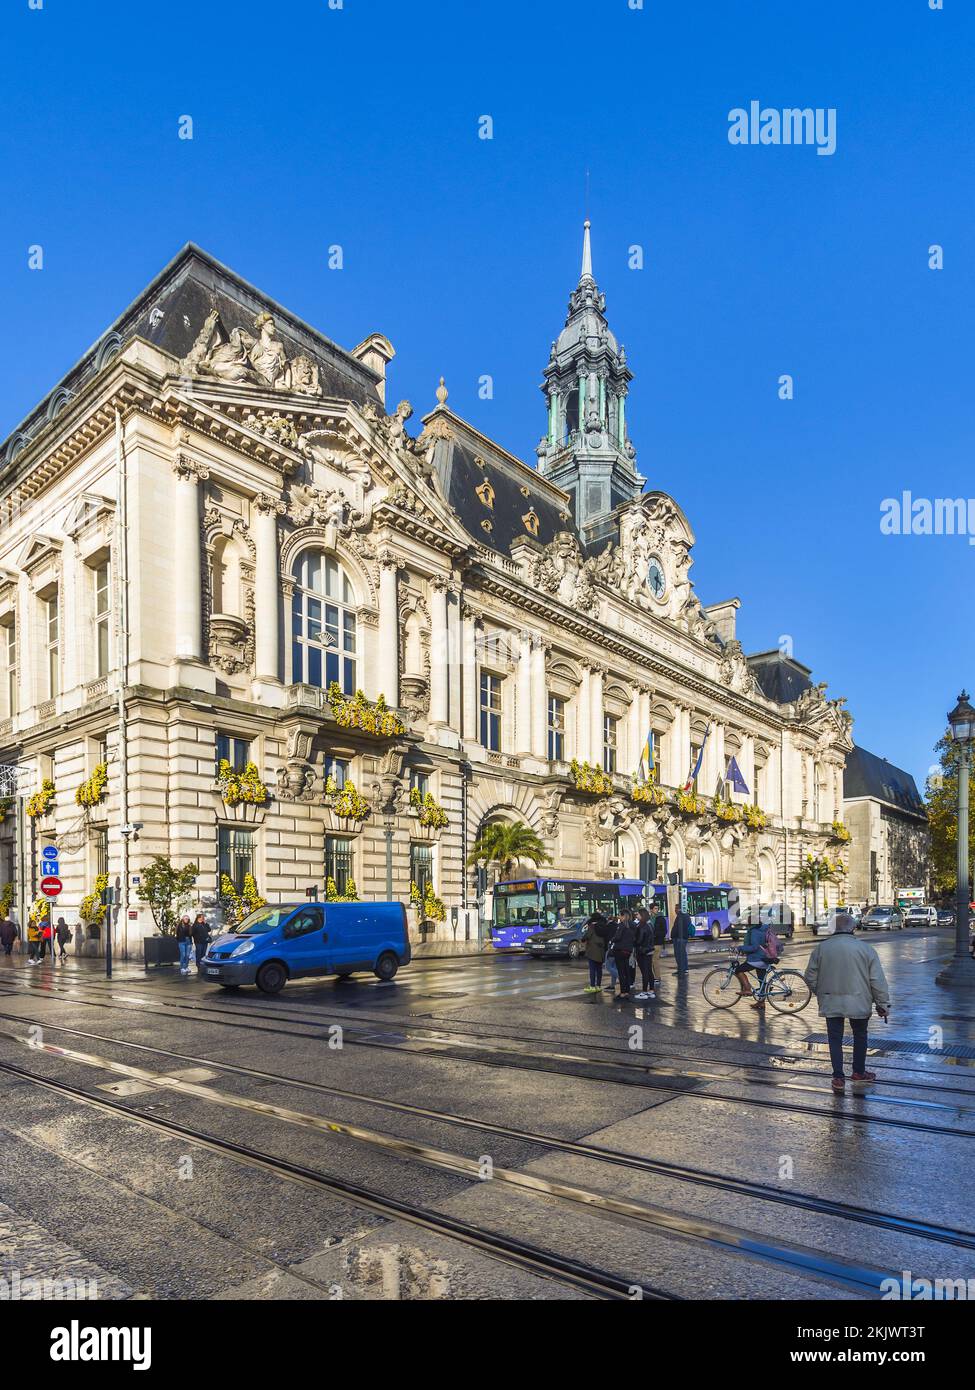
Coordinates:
575	950
715	930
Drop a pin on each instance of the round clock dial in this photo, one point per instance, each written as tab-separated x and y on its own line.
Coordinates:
656	579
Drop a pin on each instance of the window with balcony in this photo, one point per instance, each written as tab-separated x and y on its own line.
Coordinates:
556	729
323	623
235	854
421	866
491	712
338	770
8	638
610	735
102	584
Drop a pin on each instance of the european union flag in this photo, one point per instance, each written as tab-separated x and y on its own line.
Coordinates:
733	775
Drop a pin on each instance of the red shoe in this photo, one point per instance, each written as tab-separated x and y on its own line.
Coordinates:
839	1085
864	1076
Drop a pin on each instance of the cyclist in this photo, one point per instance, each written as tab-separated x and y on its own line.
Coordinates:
761	948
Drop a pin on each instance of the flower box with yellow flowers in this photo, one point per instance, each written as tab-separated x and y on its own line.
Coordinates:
41	803
755	818
347	807
356	712
93	788
647	794
728	812
242	792
428	815
839	832
591	780
690	804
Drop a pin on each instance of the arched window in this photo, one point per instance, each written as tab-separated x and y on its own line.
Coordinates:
323	623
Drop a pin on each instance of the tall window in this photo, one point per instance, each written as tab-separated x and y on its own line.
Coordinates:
9	636
421	866
491	712
235	854
237	751
338	860
419	782
52	626
695	753
610	727
323	623
338	769
556	729
102	614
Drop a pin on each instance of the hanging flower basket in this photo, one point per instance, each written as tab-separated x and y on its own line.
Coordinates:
356	712
592	781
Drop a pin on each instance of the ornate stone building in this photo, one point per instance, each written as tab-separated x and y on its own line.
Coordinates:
886	816
213	518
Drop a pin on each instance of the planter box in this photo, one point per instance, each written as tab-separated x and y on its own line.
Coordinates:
160	950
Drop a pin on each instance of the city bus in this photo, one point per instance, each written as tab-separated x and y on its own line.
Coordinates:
528	905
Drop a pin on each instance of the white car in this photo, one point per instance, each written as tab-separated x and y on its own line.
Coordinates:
921	916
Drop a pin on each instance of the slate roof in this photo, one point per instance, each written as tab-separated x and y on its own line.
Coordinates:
780	678
170	312
866	775
466	460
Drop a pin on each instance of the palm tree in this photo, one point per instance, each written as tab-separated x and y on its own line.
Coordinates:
504	842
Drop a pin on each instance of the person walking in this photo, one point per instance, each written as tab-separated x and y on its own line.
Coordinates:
680	934
8	935
623	941
63	937
643	948
47	939
33	941
848	980
612	972
594	937
201	938
184	940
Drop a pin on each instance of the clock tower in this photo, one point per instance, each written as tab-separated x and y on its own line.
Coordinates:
587	450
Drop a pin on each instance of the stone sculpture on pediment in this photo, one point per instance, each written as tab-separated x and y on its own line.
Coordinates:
314	506
558	570
239	356
735	671
318	446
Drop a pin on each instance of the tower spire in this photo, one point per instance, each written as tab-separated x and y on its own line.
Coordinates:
586	253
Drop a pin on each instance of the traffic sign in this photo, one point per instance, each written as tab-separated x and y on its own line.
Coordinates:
51	886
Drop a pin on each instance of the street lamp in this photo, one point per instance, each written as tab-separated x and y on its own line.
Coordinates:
961	723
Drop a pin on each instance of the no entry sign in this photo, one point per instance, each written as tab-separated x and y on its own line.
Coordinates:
51	886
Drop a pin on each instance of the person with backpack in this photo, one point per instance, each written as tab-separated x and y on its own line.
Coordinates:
761	948
848	980
644	954
63	935
624	939
184	941
680	934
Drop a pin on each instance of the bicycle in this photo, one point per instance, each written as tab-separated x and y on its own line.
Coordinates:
785	990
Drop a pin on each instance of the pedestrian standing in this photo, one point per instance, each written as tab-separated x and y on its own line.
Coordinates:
643	948
63	937
8	935
848	980
47	939
184	940
623	940
33	941
201	938
594	936
680	933
611	970
659	923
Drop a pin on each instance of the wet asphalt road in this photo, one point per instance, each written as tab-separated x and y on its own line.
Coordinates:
169	1140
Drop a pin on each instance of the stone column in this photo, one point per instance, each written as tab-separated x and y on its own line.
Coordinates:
596	716
523	711
581	750
539	740
439	655
468	638
187	559
267	598
388	663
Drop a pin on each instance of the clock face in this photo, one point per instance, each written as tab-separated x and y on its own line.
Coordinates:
656	580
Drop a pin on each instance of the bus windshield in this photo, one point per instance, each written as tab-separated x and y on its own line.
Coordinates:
516	909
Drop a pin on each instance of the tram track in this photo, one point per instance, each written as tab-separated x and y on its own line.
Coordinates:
801	1260
555	1064
573	1148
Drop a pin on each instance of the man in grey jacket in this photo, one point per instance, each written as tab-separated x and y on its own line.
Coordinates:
848	980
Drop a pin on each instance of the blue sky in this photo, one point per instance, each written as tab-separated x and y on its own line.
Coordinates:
358	126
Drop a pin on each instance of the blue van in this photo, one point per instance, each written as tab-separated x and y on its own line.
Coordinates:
276	944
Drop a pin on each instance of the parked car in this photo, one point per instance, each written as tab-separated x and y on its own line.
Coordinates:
920	916
281	943
882	918
563	940
778	915
852	910
946	916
